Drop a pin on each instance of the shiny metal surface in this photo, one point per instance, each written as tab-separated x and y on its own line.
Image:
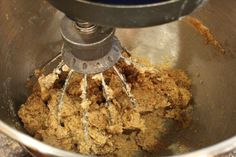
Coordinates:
29	37
139	14
89	52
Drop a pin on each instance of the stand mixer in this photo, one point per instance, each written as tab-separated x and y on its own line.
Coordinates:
91	47
88	28
30	37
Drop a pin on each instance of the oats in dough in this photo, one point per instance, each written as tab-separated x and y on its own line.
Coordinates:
115	128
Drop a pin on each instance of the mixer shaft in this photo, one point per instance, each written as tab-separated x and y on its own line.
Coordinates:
88	48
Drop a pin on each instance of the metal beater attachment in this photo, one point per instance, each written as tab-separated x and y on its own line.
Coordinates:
85	104
88	48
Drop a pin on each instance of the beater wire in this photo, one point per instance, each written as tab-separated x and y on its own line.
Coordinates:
107	96
85	105
126	87
61	99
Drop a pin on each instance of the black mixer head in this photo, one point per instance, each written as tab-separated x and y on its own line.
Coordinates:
126	13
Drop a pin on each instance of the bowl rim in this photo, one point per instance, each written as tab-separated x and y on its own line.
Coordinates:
28	141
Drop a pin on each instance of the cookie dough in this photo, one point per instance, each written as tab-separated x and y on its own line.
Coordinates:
114	127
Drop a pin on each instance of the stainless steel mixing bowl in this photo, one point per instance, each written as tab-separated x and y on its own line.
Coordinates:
29	37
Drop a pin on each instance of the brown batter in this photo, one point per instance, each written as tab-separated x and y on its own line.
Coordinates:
117	129
205	32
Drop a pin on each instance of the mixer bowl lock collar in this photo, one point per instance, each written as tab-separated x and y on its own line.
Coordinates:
89	48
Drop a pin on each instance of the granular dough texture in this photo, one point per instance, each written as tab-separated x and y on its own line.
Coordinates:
115	129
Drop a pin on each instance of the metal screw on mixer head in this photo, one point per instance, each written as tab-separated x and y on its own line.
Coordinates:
85	27
88	48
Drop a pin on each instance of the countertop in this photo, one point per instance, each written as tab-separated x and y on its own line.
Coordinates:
10	148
